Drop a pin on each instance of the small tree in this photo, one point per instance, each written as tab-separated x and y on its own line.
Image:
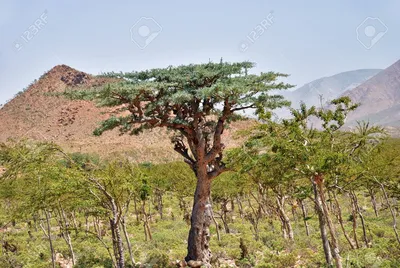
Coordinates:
316	155
196	101
37	184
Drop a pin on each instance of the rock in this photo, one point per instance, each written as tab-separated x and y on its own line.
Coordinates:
181	263
63	263
226	263
194	263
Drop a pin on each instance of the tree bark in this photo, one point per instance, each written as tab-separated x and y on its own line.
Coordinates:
160	203
146	225
116	234
254	218
304	211
53	257
331	226
240	206
199	234
66	233
354	215
340	219
183	206
86	223
128	242
224	216
354	196
373	201
216	227
280	200
322	224
392	212
136	210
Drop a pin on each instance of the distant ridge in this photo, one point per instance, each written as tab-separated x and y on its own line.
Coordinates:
379	98
329	87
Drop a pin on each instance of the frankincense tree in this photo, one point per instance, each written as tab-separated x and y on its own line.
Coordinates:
197	102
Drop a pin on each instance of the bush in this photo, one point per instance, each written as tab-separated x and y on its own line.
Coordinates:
90	260
157	259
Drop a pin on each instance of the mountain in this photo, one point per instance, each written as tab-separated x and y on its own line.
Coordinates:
34	114
329	87
379	98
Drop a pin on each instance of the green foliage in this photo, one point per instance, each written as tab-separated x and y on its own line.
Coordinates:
157	259
187	92
277	160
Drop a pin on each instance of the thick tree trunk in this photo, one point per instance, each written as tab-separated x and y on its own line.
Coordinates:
199	234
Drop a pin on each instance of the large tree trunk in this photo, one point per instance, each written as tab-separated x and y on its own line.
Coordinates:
199	234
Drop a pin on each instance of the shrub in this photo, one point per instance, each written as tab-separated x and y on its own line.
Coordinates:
157	259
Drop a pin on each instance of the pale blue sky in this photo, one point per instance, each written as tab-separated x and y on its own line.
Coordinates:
307	39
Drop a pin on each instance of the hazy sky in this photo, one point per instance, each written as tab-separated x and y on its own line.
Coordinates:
307	39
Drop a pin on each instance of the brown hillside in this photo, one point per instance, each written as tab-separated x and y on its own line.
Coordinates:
35	115
379	98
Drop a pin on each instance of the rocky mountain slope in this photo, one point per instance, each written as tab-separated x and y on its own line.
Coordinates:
33	114
329	87
379	98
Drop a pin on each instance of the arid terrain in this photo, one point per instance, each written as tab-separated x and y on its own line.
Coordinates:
36	114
